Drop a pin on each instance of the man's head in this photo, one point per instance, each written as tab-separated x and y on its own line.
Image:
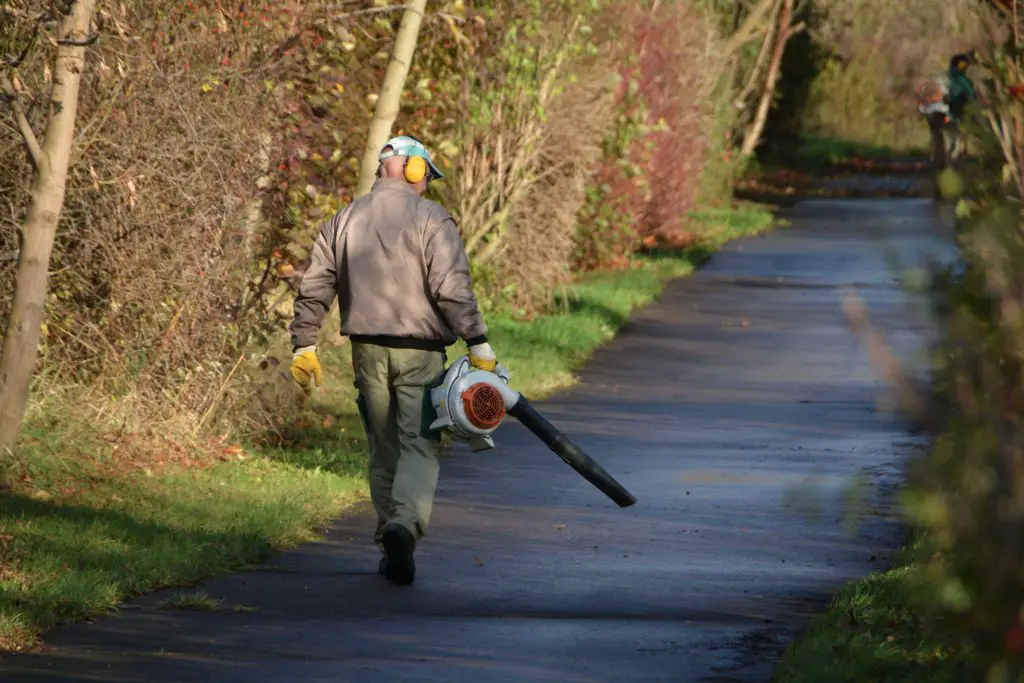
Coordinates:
406	157
960	63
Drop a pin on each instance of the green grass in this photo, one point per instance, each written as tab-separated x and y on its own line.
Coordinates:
837	151
82	553
874	630
76	540
814	153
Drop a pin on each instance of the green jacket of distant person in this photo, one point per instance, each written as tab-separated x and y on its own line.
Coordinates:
961	91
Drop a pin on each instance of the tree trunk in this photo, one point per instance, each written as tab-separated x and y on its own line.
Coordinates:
786	31
51	158
390	92
762	58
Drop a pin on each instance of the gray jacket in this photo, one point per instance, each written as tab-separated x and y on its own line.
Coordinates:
398	266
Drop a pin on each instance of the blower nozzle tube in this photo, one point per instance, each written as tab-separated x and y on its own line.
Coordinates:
570	453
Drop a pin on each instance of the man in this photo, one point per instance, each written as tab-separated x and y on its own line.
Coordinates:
961	89
943	104
397	264
961	93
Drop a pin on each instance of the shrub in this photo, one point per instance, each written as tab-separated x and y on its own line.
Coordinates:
681	70
147	296
216	138
207	147
533	90
967	494
667	125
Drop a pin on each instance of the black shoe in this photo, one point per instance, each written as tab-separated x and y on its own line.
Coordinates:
398	566
382	566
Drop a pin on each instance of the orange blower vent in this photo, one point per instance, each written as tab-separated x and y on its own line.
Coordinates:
484	406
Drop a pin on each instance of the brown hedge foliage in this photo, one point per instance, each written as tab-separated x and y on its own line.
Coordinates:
215	137
147	276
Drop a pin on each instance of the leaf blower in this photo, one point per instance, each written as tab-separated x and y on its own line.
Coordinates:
471	404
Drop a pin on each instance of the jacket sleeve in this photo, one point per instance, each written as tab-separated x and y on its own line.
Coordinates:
450	282
317	288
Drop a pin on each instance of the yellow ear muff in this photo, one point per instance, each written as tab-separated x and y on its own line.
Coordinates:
415	169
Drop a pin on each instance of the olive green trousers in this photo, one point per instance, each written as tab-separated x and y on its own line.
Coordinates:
394	405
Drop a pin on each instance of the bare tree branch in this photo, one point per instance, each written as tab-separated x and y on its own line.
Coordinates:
290	42
31	141
15	62
80	43
750	28
753	135
762	59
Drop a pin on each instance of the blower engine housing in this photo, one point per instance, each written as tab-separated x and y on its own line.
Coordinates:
472	403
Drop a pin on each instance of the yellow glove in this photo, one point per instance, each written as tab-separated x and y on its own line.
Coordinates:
481	357
306	368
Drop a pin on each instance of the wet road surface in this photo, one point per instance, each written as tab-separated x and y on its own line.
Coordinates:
718	403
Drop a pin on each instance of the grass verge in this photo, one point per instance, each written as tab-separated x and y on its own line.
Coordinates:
824	152
84	530
816	154
875	630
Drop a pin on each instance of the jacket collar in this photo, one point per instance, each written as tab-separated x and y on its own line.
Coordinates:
391	184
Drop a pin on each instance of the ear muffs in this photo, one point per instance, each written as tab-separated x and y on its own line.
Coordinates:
415	169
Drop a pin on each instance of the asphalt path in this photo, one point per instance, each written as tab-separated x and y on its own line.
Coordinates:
738	410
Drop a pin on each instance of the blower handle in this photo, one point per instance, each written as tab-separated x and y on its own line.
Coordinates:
570	453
